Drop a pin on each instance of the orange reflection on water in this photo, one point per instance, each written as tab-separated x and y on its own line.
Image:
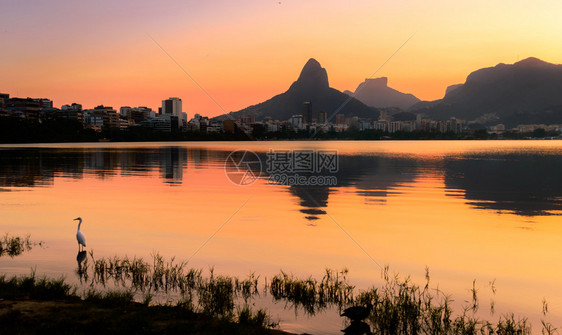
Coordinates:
416	219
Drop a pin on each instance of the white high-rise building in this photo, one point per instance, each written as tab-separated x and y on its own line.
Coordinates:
172	106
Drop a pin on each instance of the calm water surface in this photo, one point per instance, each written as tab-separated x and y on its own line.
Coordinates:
468	210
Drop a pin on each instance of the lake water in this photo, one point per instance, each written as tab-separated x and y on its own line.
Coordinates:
487	211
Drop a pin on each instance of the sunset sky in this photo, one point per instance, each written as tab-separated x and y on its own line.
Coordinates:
244	52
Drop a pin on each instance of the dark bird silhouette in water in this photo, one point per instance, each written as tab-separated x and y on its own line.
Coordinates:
357	328
81	270
81	257
358	313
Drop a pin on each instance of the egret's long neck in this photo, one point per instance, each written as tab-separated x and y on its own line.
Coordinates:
79	223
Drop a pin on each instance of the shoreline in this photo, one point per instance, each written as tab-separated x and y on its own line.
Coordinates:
36	305
156	142
73	315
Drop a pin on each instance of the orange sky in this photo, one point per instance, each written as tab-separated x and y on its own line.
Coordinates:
245	52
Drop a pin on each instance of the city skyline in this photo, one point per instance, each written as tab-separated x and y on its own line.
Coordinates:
283	166
247	52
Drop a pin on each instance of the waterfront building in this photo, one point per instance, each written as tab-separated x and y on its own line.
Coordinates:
381	125
109	118
228	126
340	119
164	122
296	122
125	111
69	114
322	117
93	121
394	126
408	126
73	107
26	108
44	103
365	125
173	107
136	114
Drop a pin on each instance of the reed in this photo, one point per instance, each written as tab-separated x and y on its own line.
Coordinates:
34	288
400	306
16	245
311	295
211	295
40	305
259	318
216	296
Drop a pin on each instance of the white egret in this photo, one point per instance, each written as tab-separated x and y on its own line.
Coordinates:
79	236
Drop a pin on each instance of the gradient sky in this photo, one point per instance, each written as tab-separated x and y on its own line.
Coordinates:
244	52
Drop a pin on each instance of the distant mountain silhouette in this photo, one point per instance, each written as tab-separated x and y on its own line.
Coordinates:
451	88
312	86
529	91
376	93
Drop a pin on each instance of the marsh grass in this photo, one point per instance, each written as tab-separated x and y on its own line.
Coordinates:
259	318
31	305
400	306
213	295
32	287
139	274
16	245
310	294
216	296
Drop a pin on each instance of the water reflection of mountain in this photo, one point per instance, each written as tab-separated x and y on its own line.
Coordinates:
370	176
373	177
522	184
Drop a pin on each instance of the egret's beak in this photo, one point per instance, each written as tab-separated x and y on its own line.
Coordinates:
76	219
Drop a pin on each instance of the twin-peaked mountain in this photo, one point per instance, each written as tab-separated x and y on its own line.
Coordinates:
529	91
311	86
